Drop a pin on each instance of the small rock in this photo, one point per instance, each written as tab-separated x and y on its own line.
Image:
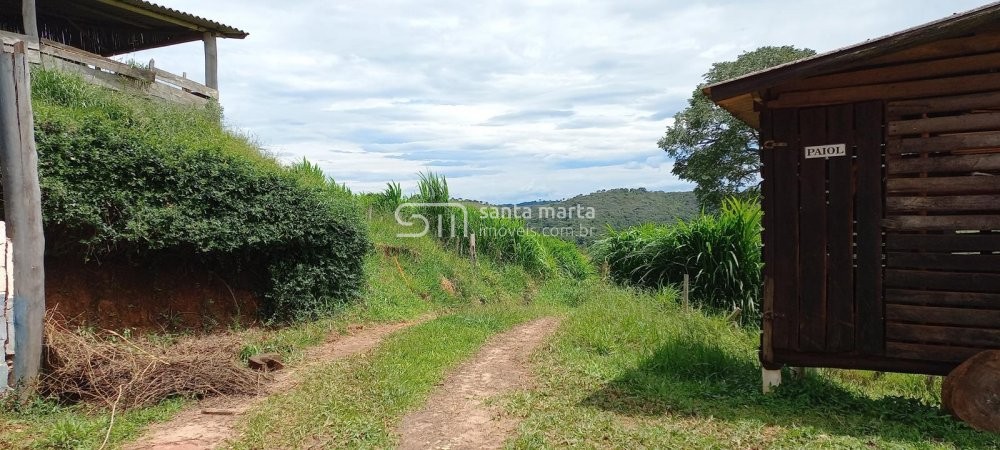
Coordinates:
266	362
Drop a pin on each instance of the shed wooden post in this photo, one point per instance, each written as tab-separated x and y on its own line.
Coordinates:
23	211
771	378
30	18
211	61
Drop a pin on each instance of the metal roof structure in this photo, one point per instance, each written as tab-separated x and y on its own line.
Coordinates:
113	27
739	95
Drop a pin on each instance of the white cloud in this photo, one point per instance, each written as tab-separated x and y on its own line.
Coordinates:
513	100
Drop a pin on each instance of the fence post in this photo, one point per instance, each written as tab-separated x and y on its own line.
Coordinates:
687	292
472	248
23	211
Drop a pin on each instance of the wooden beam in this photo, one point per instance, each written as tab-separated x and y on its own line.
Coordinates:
928	223
968	122
928	353
942	316
985	140
945	281
938	298
950	163
211	61
901	72
981	100
23	212
945	203
28	13
889	91
947	242
944	185
942	261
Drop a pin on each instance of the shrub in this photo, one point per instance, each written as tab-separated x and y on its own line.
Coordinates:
566	258
506	239
124	177
721	253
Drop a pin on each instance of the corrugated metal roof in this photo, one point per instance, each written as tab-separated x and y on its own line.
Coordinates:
209	25
951	26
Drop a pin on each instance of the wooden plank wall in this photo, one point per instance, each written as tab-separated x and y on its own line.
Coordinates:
943	227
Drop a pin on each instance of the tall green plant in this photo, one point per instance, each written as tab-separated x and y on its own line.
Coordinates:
721	254
433	192
389	199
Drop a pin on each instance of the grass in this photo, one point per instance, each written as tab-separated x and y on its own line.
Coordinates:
633	369
46	425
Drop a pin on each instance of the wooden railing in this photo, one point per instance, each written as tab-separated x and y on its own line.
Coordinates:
112	74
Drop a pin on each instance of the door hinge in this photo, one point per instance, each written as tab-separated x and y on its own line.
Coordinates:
770	144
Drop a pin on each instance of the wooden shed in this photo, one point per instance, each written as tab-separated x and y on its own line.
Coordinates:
81	35
881	195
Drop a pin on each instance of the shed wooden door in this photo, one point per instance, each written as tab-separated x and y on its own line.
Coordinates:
822	231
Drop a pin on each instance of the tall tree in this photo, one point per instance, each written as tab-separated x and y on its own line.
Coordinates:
712	148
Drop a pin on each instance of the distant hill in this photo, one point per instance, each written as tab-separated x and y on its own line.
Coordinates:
619	208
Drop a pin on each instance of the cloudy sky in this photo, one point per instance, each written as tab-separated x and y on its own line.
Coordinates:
512	100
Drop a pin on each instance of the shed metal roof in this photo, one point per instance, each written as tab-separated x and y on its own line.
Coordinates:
112	27
737	95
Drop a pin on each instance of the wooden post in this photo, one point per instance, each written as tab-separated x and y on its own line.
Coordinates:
211	61
472	248
28	13
687	292
23	210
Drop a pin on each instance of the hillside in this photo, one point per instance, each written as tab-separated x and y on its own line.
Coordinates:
619	208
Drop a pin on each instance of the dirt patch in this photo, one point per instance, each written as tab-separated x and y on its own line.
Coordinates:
448	286
153	297
209	423
456	416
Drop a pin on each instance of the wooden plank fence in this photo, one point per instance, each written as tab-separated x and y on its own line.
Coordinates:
115	75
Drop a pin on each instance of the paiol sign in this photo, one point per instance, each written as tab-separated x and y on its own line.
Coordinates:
826	151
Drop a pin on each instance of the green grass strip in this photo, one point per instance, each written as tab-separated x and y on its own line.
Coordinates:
358	402
45	424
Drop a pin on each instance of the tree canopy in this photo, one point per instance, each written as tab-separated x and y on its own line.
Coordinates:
712	148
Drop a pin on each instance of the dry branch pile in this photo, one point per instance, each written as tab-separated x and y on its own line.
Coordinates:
110	369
